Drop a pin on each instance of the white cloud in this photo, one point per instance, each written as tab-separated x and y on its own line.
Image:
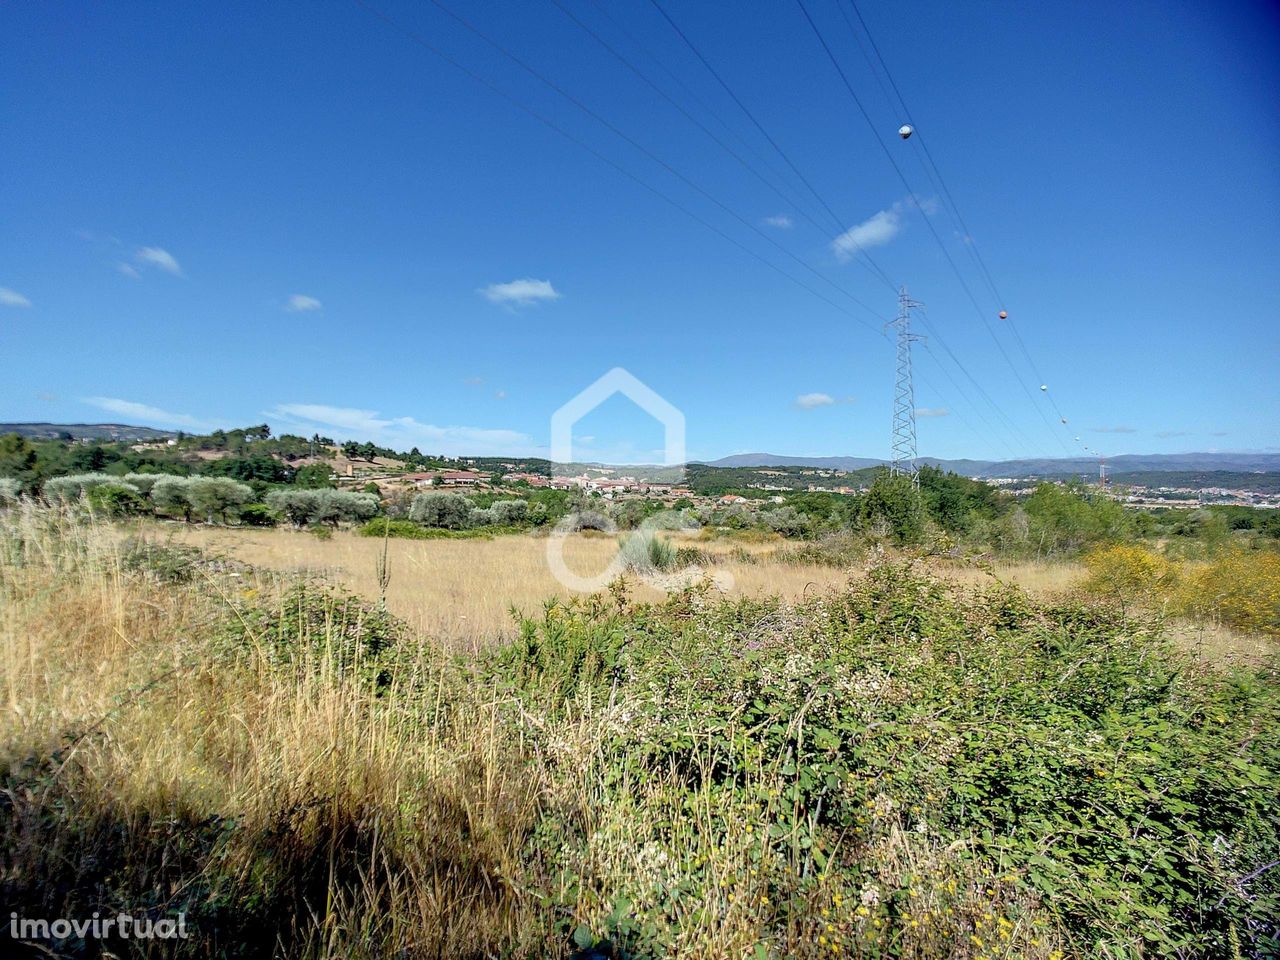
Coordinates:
879	228
808	401
1166	434
401	433
1113	429
932	412
520	293
12	298
129	270
160	259
781	221
500	394
875	231
300	303
153	416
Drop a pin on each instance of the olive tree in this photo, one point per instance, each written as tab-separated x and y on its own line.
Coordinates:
74	486
116	500
170	494
510	512
301	507
144	481
336	506
787	521
448	510
296	506
215	496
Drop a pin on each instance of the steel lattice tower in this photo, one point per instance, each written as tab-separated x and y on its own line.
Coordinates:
904	394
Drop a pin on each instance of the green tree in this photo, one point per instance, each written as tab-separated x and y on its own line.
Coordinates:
1064	518
18	460
314	476
215	497
896	501
169	494
447	510
116	500
956	503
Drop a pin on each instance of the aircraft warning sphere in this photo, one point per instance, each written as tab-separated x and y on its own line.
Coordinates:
1044	386
1004	314
905	131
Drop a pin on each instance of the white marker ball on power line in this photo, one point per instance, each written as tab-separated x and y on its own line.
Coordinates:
1004	314
1044	386
905	131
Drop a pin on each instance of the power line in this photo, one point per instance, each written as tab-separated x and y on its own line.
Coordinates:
929	222
613	128
421	41
934	173
603	9
977	385
577	141
839	224
871	266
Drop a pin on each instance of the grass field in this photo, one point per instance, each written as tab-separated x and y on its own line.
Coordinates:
462	591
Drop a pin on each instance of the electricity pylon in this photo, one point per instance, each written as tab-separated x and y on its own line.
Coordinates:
904	395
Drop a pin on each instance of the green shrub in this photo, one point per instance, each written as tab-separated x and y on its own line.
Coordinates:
116	500
693	557
834	550
1067	749
645	552
169	563
258	515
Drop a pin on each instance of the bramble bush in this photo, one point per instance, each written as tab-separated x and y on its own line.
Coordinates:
1065	752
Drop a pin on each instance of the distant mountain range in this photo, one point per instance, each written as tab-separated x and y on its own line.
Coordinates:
1046	467
85	431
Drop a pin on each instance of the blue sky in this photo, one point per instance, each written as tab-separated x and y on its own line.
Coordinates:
216	214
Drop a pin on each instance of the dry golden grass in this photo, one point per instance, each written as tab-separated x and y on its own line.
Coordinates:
1038	578
463	591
